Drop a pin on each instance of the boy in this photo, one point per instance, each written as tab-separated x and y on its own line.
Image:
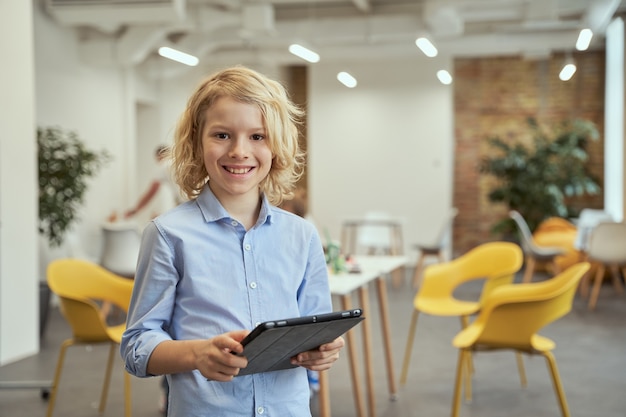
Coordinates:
214	267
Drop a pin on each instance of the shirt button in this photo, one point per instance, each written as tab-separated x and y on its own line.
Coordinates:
260	410
234	222
247	247
253	285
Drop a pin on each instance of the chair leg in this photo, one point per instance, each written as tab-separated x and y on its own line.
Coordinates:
127	395
530	268
417	276
584	283
558	387
107	379
521	369
456	399
440	256
469	370
409	346
105	310
470	356
595	291
617	281
57	376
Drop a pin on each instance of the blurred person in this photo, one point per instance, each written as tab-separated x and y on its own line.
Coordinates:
161	195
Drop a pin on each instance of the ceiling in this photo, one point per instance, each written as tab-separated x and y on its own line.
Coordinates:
128	32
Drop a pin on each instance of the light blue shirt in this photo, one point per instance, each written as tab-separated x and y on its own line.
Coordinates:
201	274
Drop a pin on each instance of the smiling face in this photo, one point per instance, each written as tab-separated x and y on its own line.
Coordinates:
236	151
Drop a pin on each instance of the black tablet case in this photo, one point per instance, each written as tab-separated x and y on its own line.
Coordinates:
271	345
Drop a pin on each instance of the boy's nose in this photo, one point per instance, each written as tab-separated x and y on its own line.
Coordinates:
239	148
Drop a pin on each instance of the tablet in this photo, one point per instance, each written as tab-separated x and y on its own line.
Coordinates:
272	344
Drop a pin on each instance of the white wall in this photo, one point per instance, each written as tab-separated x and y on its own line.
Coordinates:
386	145
19	329
97	103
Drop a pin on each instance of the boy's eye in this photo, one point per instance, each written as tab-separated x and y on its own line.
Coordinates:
221	135
258	137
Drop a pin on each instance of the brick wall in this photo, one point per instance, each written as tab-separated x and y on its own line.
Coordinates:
494	97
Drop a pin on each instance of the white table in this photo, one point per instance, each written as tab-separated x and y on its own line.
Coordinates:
373	268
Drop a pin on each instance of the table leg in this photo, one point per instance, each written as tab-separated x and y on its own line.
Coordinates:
324	397
384	319
346	304
397	277
367	345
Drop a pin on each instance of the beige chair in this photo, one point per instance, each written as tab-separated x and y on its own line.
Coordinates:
379	233
434	248
533	252
606	249
376	234
588	219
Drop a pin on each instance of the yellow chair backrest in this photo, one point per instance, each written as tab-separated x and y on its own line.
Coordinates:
79	284
496	262
512	314
85	319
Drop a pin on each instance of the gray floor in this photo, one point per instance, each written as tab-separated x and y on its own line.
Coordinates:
591	354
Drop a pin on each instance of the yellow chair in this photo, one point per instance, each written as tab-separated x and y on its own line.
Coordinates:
510	318
81	287
495	262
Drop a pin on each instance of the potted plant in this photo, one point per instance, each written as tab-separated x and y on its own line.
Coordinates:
537	180
65	166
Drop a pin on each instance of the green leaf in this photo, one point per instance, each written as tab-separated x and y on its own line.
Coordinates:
535	180
65	165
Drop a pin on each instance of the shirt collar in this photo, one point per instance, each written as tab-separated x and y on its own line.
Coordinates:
212	210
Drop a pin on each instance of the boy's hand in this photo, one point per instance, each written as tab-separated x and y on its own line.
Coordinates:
215	359
321	358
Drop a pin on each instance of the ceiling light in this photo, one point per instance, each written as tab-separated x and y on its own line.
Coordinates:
444	77
304	53
346	79
568	70
426	47
178	56
584	39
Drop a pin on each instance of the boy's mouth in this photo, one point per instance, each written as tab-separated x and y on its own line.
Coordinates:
238	170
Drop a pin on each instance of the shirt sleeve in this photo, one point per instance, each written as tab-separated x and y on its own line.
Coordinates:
314	294
151	303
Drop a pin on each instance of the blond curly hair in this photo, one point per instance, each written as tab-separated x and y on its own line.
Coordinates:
280	116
